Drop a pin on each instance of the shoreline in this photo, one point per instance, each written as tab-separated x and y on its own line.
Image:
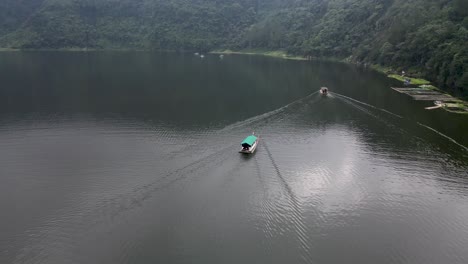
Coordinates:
274	54
78	50
389	72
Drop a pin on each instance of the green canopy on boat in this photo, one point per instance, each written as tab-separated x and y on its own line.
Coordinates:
249	141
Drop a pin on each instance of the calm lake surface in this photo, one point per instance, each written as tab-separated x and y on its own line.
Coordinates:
131	157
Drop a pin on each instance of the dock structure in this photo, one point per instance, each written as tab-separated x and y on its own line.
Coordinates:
421	94
441	100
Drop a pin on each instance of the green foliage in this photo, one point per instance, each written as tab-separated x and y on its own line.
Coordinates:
13	13
130	24
414	81
426	38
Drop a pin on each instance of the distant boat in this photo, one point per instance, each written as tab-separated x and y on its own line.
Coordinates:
324	90
202	56
249	144
196	54
437	104
221	56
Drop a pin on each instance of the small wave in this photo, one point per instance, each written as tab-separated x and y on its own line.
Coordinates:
106	211
364	110
445	136
239	124
297	218
264	115
369	105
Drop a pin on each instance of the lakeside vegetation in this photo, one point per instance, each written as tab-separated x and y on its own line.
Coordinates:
415	81
455	105
426	39
275	54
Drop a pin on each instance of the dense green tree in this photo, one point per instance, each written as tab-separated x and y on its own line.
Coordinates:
425	37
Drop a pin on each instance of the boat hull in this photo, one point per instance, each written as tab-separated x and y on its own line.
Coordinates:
324	90
251	150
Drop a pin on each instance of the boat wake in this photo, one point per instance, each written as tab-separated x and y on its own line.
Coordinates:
178	173
370	113
108	211
350	101
366	104
254	122
297	217
260	117
445	136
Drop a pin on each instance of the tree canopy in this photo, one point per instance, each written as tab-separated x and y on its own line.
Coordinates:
425	37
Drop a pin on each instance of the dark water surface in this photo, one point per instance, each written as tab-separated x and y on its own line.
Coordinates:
131	157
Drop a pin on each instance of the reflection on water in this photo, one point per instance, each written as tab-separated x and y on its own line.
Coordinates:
132	158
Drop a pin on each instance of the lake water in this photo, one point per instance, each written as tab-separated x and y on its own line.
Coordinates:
131	157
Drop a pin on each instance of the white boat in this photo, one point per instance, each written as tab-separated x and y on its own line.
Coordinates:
249	145
437	104
324	90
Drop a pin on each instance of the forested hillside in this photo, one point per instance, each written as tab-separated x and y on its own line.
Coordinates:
128	24
424	37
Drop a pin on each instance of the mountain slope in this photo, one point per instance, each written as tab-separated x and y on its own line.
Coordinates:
423	37
143	24
13	13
